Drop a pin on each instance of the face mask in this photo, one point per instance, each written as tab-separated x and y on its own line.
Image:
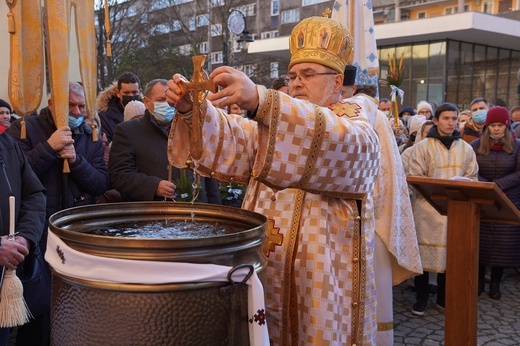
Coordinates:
405	118
502	135
479	116
163	112
386	112
75	122
127	98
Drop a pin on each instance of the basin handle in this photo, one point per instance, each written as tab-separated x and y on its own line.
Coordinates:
240	266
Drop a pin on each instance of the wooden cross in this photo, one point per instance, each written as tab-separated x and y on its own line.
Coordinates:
198	88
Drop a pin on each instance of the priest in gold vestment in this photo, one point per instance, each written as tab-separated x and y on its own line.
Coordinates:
310	162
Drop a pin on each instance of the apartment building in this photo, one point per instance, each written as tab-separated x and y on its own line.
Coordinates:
454	50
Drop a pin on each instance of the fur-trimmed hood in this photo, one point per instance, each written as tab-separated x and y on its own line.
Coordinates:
105	96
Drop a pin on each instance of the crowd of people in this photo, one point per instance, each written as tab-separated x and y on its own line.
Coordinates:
319	157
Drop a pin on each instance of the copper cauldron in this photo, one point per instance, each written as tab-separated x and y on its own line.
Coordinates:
86	312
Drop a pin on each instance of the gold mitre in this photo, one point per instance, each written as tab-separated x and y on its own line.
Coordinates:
321	40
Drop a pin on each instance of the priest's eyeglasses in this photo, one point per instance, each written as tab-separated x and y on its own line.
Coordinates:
306	76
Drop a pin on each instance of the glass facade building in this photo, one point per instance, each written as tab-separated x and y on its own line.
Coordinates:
454	71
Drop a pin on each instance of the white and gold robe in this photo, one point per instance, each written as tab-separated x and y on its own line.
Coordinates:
430	158
312	173
397	258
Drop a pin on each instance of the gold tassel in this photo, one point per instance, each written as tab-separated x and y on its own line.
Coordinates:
94	133
13	309
10	23
23	130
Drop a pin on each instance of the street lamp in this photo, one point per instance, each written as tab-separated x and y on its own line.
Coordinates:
236	24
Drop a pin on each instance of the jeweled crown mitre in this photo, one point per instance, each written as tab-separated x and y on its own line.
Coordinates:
321	40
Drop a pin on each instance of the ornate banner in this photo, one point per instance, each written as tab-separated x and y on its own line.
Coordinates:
26	69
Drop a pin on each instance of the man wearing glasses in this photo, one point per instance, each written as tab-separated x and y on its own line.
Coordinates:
310	162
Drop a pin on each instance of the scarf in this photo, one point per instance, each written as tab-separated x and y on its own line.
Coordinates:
445	140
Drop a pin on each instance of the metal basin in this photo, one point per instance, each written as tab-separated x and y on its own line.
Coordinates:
87	312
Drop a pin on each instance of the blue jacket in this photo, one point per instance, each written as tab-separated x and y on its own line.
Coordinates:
88	171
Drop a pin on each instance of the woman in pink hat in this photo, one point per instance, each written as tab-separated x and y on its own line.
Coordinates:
498	157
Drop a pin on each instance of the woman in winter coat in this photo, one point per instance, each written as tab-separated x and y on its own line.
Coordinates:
498	157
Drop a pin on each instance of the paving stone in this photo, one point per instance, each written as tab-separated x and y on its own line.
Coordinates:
498	320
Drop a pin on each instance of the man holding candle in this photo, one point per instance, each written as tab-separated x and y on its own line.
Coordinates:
18	179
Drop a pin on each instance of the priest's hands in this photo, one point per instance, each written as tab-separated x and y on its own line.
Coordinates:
175	94
166	189
236	88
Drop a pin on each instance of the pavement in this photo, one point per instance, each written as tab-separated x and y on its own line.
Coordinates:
498	320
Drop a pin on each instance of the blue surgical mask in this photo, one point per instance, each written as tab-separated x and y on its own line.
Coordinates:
163	112
479	116
75	122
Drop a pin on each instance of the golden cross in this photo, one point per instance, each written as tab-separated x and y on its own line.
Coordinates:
198	88
327	12
274	238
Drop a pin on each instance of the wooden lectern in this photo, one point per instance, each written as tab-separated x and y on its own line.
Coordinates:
465	203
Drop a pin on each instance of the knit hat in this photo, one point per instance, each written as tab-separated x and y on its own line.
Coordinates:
424	105
349	76
416	122
134	109
498	114
407	109
6	105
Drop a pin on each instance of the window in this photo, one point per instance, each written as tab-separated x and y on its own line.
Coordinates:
185	49
178	2
312	2
269	34
291	16
216	58
487	7
216	30
159	4
247	10
160	29
203	47
202	20
144	18
274	70
192	24
467	8
451	10
177	25
421	15
216	3
249	70
275	9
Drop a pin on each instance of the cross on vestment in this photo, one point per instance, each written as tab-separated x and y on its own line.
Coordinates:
198	88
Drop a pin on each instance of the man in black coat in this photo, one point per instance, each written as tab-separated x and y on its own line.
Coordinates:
18	179
138	162
113	100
